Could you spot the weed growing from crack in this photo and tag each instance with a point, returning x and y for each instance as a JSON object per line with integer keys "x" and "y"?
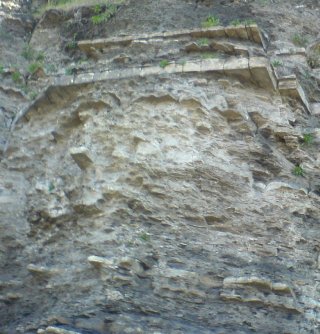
{"x": 16, "y": 76}
{"x": 308, "y": 138}
{"x": 245, "y": 22}
{"x": 101, "y": 17}
{"x": 144, "y": 237}
{"x": 203, "y": 42}
{"x": 34, "y": 67}
{"x": 299, "y": 40}
{"x": 210, "y": 21}
{"x": 277, "y": 63}
{"x": 163, "y": 63}
{"x": 298, "y": 171}
{"x": 33, "y": 95}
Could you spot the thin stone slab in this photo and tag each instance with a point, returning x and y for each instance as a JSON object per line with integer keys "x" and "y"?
{"x": 262, "y": 73}
{"x": 240, "y": 32}
{"x": 81, "y": 156}
{"x": 290, "y": 86}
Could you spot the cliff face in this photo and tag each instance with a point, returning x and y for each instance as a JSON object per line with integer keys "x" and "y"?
{"x": 163, "y": 178}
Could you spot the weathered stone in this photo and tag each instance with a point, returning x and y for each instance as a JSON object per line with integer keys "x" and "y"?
{"x": 81, "y": 156}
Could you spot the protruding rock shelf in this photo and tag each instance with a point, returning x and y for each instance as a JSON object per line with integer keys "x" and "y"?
{"x": 243, "y": 32}
{"x": 254, "y": 69}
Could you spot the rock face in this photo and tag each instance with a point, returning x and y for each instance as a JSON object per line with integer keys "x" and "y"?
{"x": 154, "y": 190}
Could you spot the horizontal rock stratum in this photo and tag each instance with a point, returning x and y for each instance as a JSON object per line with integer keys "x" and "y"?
{"x": 167, "y": 184}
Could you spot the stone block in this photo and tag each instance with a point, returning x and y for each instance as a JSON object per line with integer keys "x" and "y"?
{"x": 81, "y": 157}
{"x": 262, "y": 73}
{"x": 192, "y": 67}
{"x": 215, "y": 65}
{"x": 237, "y": 67}
{"x": 98, "y": 261}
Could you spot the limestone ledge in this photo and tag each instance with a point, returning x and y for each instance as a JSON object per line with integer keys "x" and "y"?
{"x": 55, "y": 330}
{"x": 258, "y": 283}
{"x": 244, "y": 32}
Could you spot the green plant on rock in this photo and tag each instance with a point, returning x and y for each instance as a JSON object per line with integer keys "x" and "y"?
{"x": 70, "y": 71}
{"x": 16, "y": 76}
{"x": 33, "y": 95}
{"x": 28, "y": 52}
{"x": 40, "y": 56}
{"x": 144, "y": 237}
{"x": 1, "y": 69}
{"x": 163, "y": 63}
{"x": 308, "y": 138}
{"x": 34, "y": 67}
{"x": 51, "y": 187}
{"x": 299, "y": 40}
{"x": 210, "y": 21}
{"x": 72, "y": 44}
{"x": 298, "y": 171}
{"x": 100, "y": 16}
{"x": 203, "y": 42}
{"x": 277, "y": 63}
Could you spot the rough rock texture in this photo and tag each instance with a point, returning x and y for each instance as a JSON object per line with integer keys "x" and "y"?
{"x": 181, "y": 198}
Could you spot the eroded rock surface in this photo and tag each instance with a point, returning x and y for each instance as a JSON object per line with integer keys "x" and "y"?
{"x": 183, "y": 198}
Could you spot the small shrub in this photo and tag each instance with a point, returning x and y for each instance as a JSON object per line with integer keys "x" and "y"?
{"x": 16, "y": 76}
{"x": 1, "y": 69}
{"x": 34, "y": 67}
{"x": 70, "y": 71}
{"x": 102, "y": 17}
{"x": 298, "y": 171}
{"x": 299, "y": 40}
{"x": 164, "y": 63}
{"x": 277, "y": 63}
{"x": 51, "y": 187}
{"x": 40, "y": 56}
{"x": 203, "y": 42}
{"x": 144, "y": 237}
{"x": 28, "y": 53}
{"x": 307, "y": 138}
{"x": 33, "y": 95}
{"x": 210, "y": 21}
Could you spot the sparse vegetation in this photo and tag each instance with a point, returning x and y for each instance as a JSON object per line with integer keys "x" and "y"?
{"x": 16, "y": 76}
{"x": 299, "y": 40}
{"x": 33, "y": 95}
{"x": 163, "y": 63}
{"x": 28, "y": 53}
{"x": 277, "y": 63}
{"x": 71, "y": 45}
{"x": 144, "y": 237}
{"x": 51, "y": 187}
{"x": 308, "y": 138}
{"x": 1, "y": 69}
{"x": 70, "y": 71}
{"x": 210, "y": 21}
{"x": 298, "y": 171}
{"x": 101, "y": 15}
{"x": 245, "y": 22}
{"x": 203, "y": 42}
{"x": 70, "y": 4}
{"x": 34, "y": 67}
